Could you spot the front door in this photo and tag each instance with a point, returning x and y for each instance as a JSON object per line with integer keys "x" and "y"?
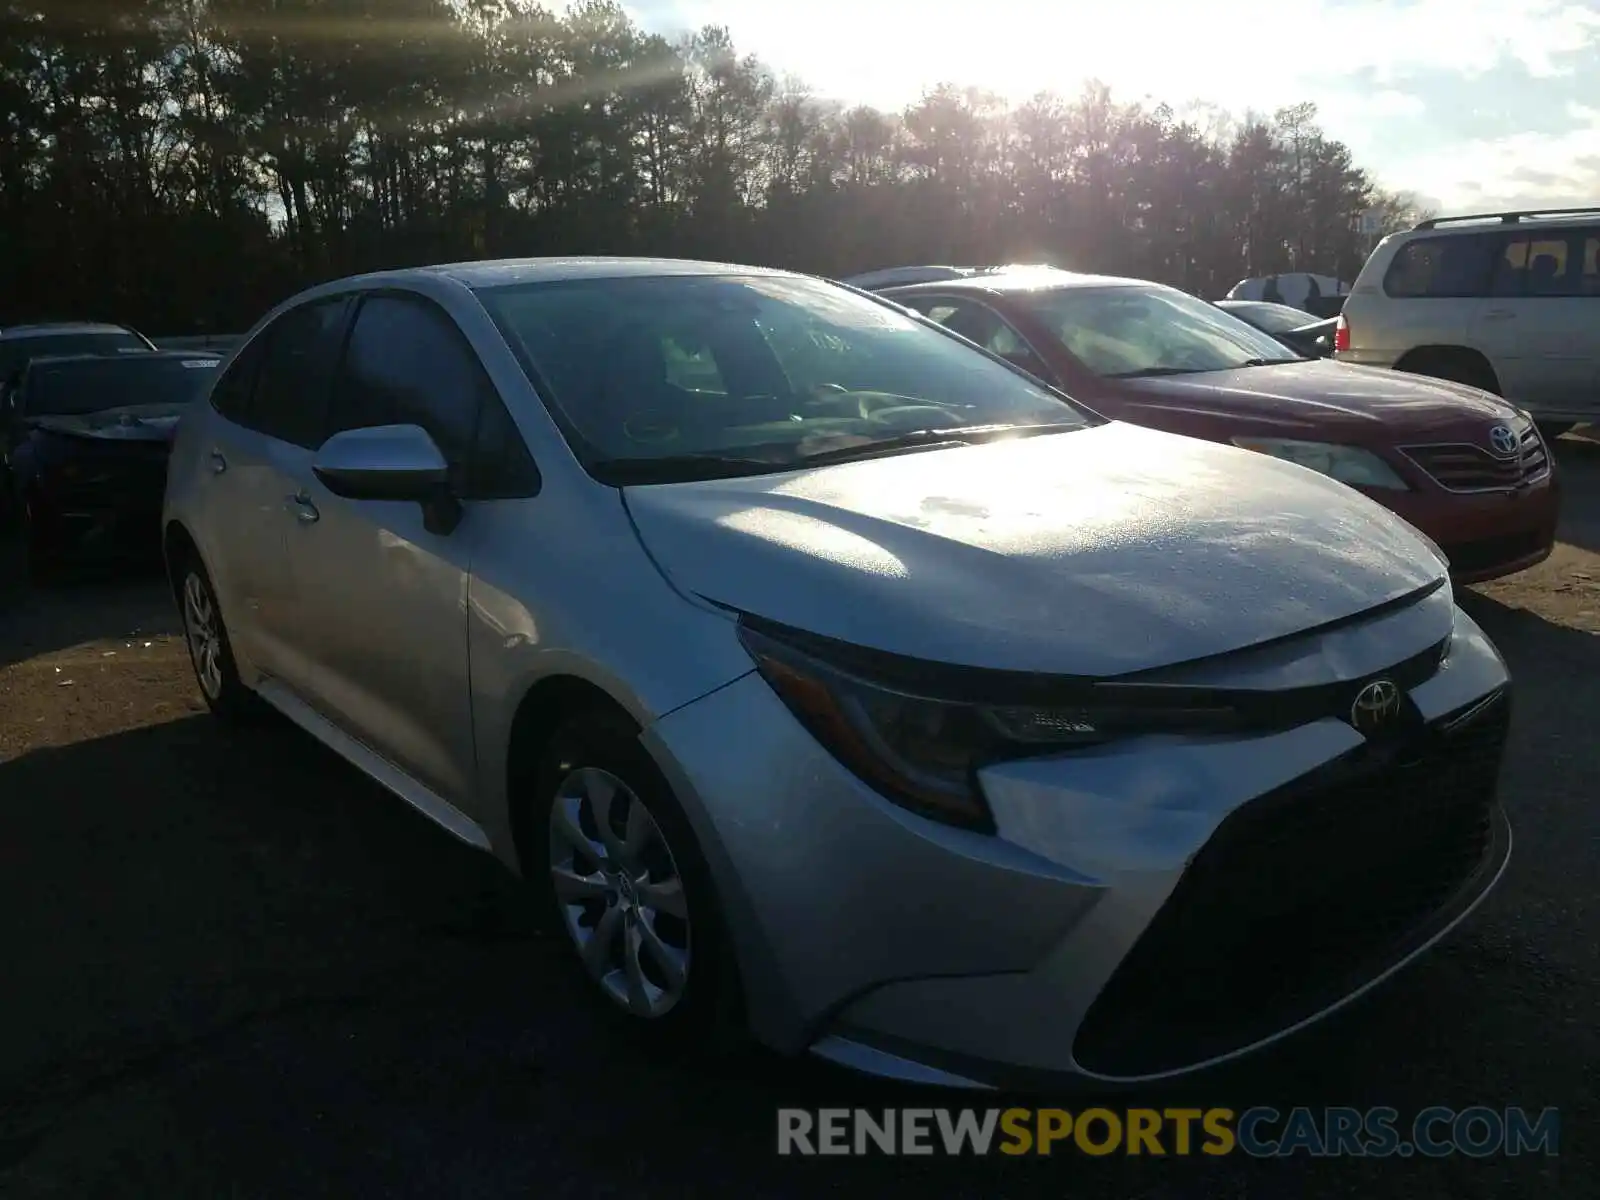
{"x": 383, "y": 602}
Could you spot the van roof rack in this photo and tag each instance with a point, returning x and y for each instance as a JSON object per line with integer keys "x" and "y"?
{"x": 1507, "y": 218}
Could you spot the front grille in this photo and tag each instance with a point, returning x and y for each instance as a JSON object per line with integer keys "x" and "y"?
{"x": 1487, "y": 553}
{"x": 1463, "y": 467}
{"x": 1302, "y": 895}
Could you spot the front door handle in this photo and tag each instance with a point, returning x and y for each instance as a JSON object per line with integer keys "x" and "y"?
{"x": 218, "y": 463}
{"x": 1499, "y": 314}
{"x": 304, "y": 511}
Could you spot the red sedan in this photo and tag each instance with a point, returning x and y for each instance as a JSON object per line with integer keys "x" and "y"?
{"x": 1466, "y": 467}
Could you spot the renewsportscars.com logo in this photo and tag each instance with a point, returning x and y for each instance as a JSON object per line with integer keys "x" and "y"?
{"x": 1260, "y": 1132}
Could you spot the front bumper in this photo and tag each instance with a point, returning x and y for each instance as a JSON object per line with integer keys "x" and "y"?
{"x": 1485, "y": 535}
{"x": 903, "y": 947}
{"x": 113, "y": 519}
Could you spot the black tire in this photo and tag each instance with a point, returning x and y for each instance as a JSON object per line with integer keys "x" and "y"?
{"x": 707, "y": 1015}
{"x": 1456, "y": 368}
{"x": 225, "y": 695}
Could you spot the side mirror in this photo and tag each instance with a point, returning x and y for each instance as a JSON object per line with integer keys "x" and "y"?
{"x": 391, "y": 462}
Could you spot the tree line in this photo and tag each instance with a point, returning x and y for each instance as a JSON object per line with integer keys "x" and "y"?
{"x": 184, "y": 164}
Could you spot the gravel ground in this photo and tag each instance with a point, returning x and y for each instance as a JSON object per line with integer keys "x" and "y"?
{"x": 236, "y": 968}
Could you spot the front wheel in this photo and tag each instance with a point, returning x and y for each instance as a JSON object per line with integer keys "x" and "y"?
{"x": 210, "y": 651}
{"x": 625, "y": 878}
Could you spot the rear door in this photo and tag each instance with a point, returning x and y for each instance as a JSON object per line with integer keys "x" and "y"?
{"x": 1540, "y": 325}
{"x": 272, "y": 403}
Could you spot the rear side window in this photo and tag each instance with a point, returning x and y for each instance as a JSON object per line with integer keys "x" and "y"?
{"x": 232, "y": 392}
{"x": 407, "y": 363}
{"x": 1443, "y": 267}
{"x": 1549, "y": 263}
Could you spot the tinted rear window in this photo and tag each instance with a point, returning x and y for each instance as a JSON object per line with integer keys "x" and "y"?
{"x": 67, "y": 389}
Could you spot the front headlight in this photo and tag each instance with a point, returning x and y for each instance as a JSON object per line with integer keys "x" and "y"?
{"x": 923, "y": 752}
{"x": 1347, "y": 464}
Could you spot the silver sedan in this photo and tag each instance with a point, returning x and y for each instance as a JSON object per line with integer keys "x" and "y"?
{"x": 826, "y": 675}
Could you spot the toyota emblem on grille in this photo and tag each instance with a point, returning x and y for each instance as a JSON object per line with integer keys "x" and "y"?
{"x": 1503, "y": 440}
{"x": 1376, "y": 706}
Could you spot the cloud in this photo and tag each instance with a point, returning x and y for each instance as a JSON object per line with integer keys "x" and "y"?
{"x": 1493, "y": 174}
{"x": 1388, "y": 103}
{"x": 1250, "y": 59}
{"x": 1442, "y": 97}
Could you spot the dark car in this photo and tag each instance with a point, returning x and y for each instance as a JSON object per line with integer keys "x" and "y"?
{"x": 20, "y": 343}
{"x": 1297, "y": 329}
{"x": 1466, "y": 467}
{"x": 89, "y": 437}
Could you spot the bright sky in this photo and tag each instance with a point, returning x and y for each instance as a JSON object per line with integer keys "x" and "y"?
{"x": 1472, "y": 104}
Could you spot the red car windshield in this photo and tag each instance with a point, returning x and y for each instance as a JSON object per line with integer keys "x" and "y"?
{"x": 1121, "y": 332}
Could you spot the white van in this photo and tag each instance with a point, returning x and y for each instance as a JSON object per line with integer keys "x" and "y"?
{"x": 1506, "y": 302}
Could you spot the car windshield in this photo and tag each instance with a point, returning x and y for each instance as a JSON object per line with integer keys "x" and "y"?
{"x": 1127, "y": 331}
{"x": 757, "y": 371}
{"x": 94, "y": 385}
{"x": 1274, "y": 318}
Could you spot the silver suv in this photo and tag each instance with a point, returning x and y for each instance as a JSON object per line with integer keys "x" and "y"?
{"x": 1506, "y": 302}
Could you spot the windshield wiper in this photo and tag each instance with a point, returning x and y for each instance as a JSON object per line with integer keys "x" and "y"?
{"x": 1272, "y": 362}
{"x": 1152, "y": 372}
{"x": 916, "y": 439}
{"x": 682, "y": 468}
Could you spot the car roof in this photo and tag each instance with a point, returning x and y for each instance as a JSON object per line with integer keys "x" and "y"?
{"x": 1031, "y": 279}
{"x": 503, "y": 271}
{"x": 901, "y": 276}
{"x": 48, "y": 329}
{"x": 1539, "y": 218}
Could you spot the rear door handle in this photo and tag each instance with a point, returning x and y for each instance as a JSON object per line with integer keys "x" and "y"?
{"x": 1499, "y": 314}
{"x": 218, "y": 463}
{"x": 304, "y": 511}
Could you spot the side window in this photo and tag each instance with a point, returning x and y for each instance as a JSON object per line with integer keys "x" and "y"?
{"x": 1438, "y": 268}
{"x": 407, "y": 363}
{"x": 989, "y": 330}
{"x": 1589, "y": 281}
{"x": 1547, "y": 268}
{"x": 1550, "y": 264}
{"x": 232, "y": 392}
{"x": 502, "y": 468}
{"x": 291, "y": 392}
{"x": 972, "y": 322}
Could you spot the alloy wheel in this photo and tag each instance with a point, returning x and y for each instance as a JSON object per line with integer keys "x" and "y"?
{"x": 204, "y": 632}
{"x": 620, "y": 893}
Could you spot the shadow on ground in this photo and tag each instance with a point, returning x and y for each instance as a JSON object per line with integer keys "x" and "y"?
{"x": 92, "y": 603}
{"x": 1578, "y": 459}
{"x": 236, "y": 967}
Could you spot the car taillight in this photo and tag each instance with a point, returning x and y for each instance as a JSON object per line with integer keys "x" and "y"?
{"x": 1341, "y": 335}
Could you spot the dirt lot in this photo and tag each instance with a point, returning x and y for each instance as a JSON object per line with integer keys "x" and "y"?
{"x": 235, "y": 968}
